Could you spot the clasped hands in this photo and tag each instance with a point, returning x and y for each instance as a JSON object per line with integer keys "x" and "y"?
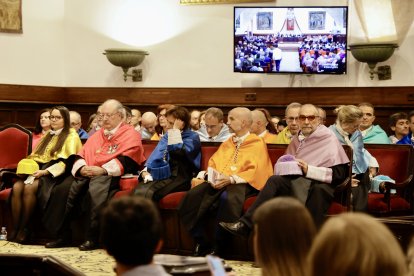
{"x": 221, "y": 182}
{"x": 92, "y": 171}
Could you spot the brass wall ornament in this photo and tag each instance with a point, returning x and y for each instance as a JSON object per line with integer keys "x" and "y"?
{"x": 202, "y": 2}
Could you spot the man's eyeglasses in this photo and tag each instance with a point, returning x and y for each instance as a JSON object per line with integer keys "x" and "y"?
{"x": 291, "y": 119}
{"x": 210, "y": 126}
{"x": 107, "y": 115}
{"x": 310, "y": 118}
{"x": 55, "y": 117}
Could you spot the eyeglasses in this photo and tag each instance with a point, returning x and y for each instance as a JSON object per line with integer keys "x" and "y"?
{"x": 210, "y": 126}
{"x": 74, "y": 123}
{"x": 310, "y": 118}
{"x": 107, "y": 115}
{"x": 291, "y": 119}
{"x": 55, "y": 117}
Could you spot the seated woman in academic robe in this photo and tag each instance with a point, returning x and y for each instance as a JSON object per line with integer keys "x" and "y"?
{"x": 346, "y": 130}
{"x": 44, "y": 168}
{"x": 174, "y": 161}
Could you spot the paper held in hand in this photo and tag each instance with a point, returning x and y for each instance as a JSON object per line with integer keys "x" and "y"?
{"x": 213, "y": 175}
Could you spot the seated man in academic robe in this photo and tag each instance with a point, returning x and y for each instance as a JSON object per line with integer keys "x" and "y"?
{"x": 114, "y": 150}
{"x": 292, "y": 128}
{"x": 214, "y": 129}
{"x": 371, "y": 134}
{"x": 237, "y": 170}
{"x": 324, "y": 165}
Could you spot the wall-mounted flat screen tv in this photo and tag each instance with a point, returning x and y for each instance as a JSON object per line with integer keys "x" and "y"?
{"x": 303, "y": 40}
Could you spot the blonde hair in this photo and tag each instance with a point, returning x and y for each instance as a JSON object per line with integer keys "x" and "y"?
{"x": 284, "y": 231}
{"x": 348, "y": 113}
{"x": 355, "y": 244}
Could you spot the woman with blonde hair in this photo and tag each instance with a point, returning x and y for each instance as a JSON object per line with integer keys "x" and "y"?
{"x": 356, "y": 244}
{"x": 283, "y": 234}
{"x": 346, "y": 129}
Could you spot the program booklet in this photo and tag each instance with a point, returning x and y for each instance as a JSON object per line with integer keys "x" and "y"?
{"x": 213, "y": 175}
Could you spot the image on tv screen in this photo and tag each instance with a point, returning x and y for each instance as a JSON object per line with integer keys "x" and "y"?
{"x": 303, "y": 40}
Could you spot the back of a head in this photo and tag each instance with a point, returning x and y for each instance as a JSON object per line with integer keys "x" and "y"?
{"x": 284, "y": 230}
{"x": 348, "y": 113}
{"x": 356, "y": 244}
{"x": 131, "y": 230}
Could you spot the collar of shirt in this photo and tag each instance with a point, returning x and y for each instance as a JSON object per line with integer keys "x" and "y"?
{"x": 364, "y": 132}
{"x": 55, "y": 132}
{"x": 239, "y": 140}
{"x": 111, "y": 132}
{"x": 263, "y": 134}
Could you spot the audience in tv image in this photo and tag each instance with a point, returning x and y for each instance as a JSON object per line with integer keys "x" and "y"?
{"x": 315, "y": 54}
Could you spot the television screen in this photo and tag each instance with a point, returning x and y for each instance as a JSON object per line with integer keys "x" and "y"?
{"x": 308, "y": 40}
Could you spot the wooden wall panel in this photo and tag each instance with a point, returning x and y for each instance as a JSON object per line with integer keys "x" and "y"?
{"x": 29, "y": 99}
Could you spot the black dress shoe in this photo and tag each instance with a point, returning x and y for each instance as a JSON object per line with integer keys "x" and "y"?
{"x": 58, "y": 243}
{"x": 236, "y": 228}
{"x": 88, "y": 245}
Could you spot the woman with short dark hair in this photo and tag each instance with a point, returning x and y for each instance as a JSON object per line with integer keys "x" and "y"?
{"x": 175, "y": 159}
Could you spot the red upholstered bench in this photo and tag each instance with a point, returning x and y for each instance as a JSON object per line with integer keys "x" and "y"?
{"x": 395, "y": 161}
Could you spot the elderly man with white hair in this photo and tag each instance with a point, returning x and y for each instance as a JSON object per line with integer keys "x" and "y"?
{"x": 116, "y": 149}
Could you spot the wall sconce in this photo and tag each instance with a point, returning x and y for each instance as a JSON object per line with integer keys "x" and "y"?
{"x": 384, "y": 24}
{"x": 127, "y": 58}
{"x": 372, "y": 54}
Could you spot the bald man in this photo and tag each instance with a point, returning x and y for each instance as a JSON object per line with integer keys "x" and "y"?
{"x": 148, "y": 124}
{"x": 238, "y": 169}
{"x": 76, "y": 123}
{"x": 259, "y": 127}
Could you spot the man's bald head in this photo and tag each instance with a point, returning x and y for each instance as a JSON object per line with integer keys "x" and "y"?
{"x": 259, "y": 122}
{"x": 240, "y": 120}
{"x": 149, "y": 121}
